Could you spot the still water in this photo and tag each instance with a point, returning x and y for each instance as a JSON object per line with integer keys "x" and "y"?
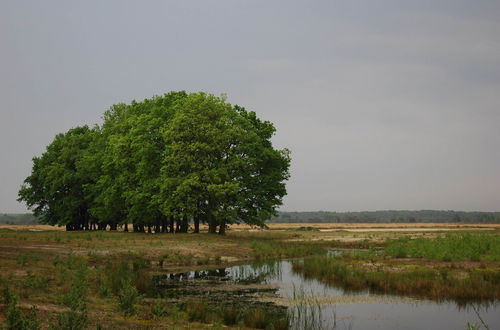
{"x": 318, "y": 306}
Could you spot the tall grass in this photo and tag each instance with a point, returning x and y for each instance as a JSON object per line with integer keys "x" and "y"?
{"x": 263, "y": 249}
{"x": 307, "y": 312}
{"x": 434, "y": 283}
{"x": 452, "y": 247}
{"x": 243, "y": 315}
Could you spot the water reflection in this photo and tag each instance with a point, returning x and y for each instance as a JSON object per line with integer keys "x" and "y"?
{"x": 314, "y": 305}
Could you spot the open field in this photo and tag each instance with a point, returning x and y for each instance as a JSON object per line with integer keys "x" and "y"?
{"x": 41, "y": 265}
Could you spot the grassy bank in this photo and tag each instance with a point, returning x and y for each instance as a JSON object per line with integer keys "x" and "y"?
{"x": 434, "y": 283}
{"x": 459, "y": 267}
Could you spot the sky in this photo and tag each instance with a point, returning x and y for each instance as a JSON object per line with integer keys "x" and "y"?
{"x": 383, "y": 104}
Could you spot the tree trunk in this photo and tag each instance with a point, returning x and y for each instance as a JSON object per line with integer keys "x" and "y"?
{"x": 125, "y": 229}
{"x": 212, "y": 224}
{"x": 222, "y": 227}
{"x": 164, "y": 224}
{"x": 196, "y": 225}
{"x": 184, "y": 224}
{"x": 171, "y": 224}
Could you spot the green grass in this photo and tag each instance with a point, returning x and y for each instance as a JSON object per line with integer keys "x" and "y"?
{"x": 442, "y": 283}
{"x": 452, "y": 247}
{"x": 265, "y": 250}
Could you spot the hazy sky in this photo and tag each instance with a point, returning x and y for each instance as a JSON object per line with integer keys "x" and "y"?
{"x": 384, "y": 104}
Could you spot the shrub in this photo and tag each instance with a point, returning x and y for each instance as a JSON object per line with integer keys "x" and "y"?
{"x": 16, "y": 320}
{"x": 197, "y": 310}
{"x": 71, "y": 320}
{"x": 158, "y": 310}
{"x": 128, "y": 297}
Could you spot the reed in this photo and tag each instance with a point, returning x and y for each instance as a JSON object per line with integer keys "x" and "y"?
{"x": 460, "y": 285}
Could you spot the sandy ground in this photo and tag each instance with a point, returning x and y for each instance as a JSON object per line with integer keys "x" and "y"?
{"x": 375, "y": 226}
{"x": 32, "y": 227}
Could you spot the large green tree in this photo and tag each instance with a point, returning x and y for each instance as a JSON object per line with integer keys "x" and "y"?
{"x": 55, "y": 190}
{"x": 221, "y": 166}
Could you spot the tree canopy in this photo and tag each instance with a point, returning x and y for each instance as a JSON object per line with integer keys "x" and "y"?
{"x": 160, "y": 164}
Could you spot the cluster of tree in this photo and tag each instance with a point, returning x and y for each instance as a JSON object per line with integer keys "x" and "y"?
{"x": 160, "y": 164}
{"x": 18, "y": 219}
{"x": 388, "y": 216}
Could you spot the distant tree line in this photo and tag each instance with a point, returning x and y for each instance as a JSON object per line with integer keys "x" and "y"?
{"x": 338, "y": 217}
{"x": 388, "y": 216}
{"x": 160, "y": 164}
{"x": 18, "y": 219}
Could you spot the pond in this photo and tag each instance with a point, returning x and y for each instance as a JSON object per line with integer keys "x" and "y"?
{"x": 314, "y": 305}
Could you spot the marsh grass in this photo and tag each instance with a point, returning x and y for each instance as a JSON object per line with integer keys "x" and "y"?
{"x": 451, "y": 247}
{"x": 307, "y": 312}
{"x": 263, "y": 249}
{"x": 241, "y": 315}
{"x": 442, "y": 283}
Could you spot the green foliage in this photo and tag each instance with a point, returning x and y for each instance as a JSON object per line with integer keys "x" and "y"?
{"x": 472, "y": 326}
{"x": 170, "y": 158}
{"x": 16, "y": 320}
{"x": 133, "y": 271}
{"x": 221, "y": 164}
{"x": 128, "y": 297}
{"x": 71, "y": 320}
{"x": 198, "y": 310}
{"x": 22, "y": 259}
{"x": 159, "y": 309}
{"x": 260, "y": 318}
{"x": 243, "y": 316}
{"x": 270, "y": 249}
{"x": 55, "y": 188}
{"x": 452, "y": 247}
{"x": 33, "y": 282}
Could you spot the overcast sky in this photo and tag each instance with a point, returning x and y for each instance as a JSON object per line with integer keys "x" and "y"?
{"x": 384, "y": 104}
